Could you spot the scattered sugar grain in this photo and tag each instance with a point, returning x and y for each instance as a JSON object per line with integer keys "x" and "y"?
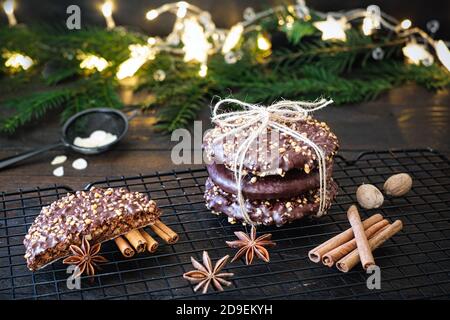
{"x": 79, "y": 164}
{"x": 58, "y": 160}
{"x": 59, "y": 172}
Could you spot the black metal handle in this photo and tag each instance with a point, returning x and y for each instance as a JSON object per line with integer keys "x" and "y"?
{"x": 20, "y": 157}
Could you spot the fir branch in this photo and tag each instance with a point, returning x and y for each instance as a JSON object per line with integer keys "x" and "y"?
{"x": 61, "y": 74}
{"x": 109, "y": 44}
{"x": 340, "y": 89}
{"x": 25, "y": 40}
{"x": 298, "y": 30}
{"x": 87, "y": 93}
{"x": 432, "y": 77}
{"x": 301, "y": 66}
{"x": 94, "y": 92}
{"x": 180, "y": 96}
{"x": 179, "y": 105}
{"x": 33, "y": 107}
{"x": 337, "y": 56}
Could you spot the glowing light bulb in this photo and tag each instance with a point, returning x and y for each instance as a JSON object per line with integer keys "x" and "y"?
{"x": 249, "y": 14}
{"x": 289, "y": 22}
{"x": 92, "y": 62}
{"x": 406, "y": 24}
{"x": 417, "y": 53}
{"x": 182, "y": 9}
{"x": 372, "y": 19}
{"x": 139, "y": 54}
{"x": 8, "y": 7}
{"x": 302, "y": 10}
{"x": 233, "y": 37}
{"x": 332, "y": 29}
{"x": 367, "y": 26}
{"x": 159, "y": 75}
{"x": 17, "y": 60}
{"x": 195, "y": 42}
{"x": 178, "y": 26}
{"x": 152, "y": 14}
{"x": 263, "y": 42}
{"x": 203, "y": 70}
{"x": 443, "y": 53}
{"x": 107, "y": 9}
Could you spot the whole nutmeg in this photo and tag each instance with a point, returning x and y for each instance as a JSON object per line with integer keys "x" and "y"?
{"x": 398, "y": 185}
{"x": 369, "y": 197}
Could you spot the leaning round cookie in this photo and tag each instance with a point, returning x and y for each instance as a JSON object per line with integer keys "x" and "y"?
{"x": 294, "y": 182}
{"x": 267, "y": 212}
{"x": 274, "y": 152}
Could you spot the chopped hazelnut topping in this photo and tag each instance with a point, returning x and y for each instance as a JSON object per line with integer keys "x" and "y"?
{"x": 307, "y": 169}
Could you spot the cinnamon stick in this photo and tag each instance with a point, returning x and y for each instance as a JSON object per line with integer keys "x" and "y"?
{"x": 152, "y": 244}
{"x": 315, "y": 255}
{"x": 362, "y": 243}
{"x": 164, "y": 232}
{"x": 350, "y": 260}
{"x": 137, "y": 240}
{"x": 124, "y": 247}
{"x": 336, "y": 254}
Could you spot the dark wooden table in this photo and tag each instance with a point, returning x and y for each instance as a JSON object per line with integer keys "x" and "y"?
{"x": 407, "y": 117}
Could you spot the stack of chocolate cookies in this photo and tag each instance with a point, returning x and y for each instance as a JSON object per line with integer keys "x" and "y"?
{"x": 273, "y": 195}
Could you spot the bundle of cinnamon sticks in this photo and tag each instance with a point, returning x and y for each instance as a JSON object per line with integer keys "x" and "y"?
{"x": 139, "y": 240}
{"x": 356, "y": 243}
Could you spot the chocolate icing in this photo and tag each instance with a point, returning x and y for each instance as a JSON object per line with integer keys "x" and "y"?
{"x": 98, "y": 214}
{"x": 292, "y": 184}
{"x": 291, "y": 152}
{"x": 267, "y": 212}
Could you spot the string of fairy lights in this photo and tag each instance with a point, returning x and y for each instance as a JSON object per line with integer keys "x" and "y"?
{"x": 195, "y": 36}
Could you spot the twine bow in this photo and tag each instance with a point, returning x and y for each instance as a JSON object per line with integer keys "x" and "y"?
{"x": 275, "y": 117}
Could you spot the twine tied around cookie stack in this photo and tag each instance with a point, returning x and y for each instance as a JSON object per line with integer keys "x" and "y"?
{"x": 275, "y": 116}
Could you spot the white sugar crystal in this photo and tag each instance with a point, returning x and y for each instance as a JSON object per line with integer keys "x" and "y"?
{"x": 79, "y": 164}
{"x": 59, "y": 172}
{"x": 58, "y": 160}
{"x": 82, "y": 142}
{"x": 97, "y": 138}
{"x": 98, "y": 135}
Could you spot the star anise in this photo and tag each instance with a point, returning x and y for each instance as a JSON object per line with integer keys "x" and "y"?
{"x": 205, "y": 274}
{"x": 249, "y": 245}
{"x": 85, "y": 257}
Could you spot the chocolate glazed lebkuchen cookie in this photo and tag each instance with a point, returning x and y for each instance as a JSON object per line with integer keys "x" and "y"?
{"x": 293, "y": 154}
{"x": 272, "y": 195}
{"x": 98, "y": 214}
{"x": 270, "y": 211}
{"x": 293, "y": 183}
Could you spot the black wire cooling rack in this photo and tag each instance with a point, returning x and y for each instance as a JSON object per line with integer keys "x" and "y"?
{"x": 414, "y": 264}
